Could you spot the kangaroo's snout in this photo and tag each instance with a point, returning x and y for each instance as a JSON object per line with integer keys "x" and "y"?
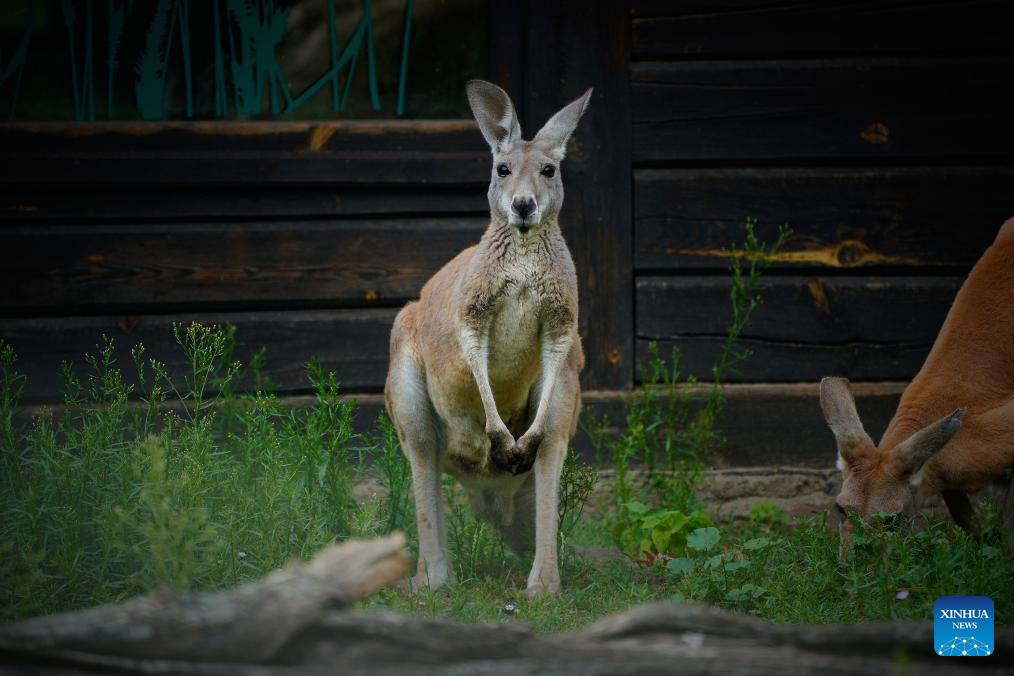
{"x": 523, "y": 206}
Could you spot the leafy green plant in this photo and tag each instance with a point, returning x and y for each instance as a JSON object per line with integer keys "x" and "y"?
{"x": 715, "y": 575}
{"x": 12, "y": 384}
{"x": 395, "y": 476}
{"x": 577, "y": 482}
{"x": 172, "y": 479}
{"x": 649, "y": 533}
{"x": 670, "y": 427}
{"x": 767, "y": 514}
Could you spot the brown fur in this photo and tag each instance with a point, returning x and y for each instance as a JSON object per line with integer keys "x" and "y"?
{"x": 953, "y": 431}
{"x": 483, "y": 382}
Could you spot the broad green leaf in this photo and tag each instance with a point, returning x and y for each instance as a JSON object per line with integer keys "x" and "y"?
{"x": 682, "y": 565}
{"x": 757, "y": 543}
{"x": 660, "y": 536}
{"x": 703, "y": 539}
{"x": 713, "y": 561}
{"x": 636, "y": 507}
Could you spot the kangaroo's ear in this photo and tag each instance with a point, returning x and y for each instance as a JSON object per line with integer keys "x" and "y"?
{"x": 494, "y": 112}
{"x": 925, "y": 443}
{"x": 839, "y": 407}
{"x": 557, "y": 130}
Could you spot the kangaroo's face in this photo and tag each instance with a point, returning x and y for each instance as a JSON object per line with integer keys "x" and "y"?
{"x": 526, "y": 187}
{"x": 876, "y": 481}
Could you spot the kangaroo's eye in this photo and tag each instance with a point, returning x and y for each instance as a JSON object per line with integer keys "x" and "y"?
{"x": 549, "y": 171}
{"x": 502, "y": 170}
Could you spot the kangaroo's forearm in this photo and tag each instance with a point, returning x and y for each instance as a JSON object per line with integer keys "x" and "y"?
{"x": 475, "y": 346}
{"x": 555, "y": 351}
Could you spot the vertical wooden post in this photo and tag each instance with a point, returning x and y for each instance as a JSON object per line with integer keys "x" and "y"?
{"x": 573, "y": 45}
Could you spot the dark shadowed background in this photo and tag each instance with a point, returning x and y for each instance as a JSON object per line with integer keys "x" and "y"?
{"x": 146, "y": 178}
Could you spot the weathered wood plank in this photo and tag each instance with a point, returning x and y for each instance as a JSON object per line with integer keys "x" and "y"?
{"x": 354, "y": 152}
{"x": 240, "y": 137}
{"x": 663, "y": 29}
{"x": 170, "y": 169}
{"x": 875, "y": 218}
{"x": 591, "y": 49}
{"x": 864, "y": 328}
{"x": 78, "y": 268}
{"x": 803, "y": 309}
{"x": 353, "y": 343}
{"x": 841, "y": 108}
{"x": 190, "y": 202}
{"x": 791, "y": 361}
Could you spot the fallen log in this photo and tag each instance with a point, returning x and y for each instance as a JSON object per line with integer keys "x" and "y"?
{"x": 295, "y": 621}
{"x": 245, "y": 625}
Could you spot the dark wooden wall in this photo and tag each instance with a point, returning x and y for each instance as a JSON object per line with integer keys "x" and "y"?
{"x": 306, "y": 237}
{"x": 877, "y": 130}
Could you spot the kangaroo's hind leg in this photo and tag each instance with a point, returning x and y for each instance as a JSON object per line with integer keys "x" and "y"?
{"x": 544, "y": 577}
{"x": 418, "y": 427}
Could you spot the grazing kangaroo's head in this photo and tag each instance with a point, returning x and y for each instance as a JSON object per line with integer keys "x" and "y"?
{"x": 526, "y": 188}
{"x": 877, "y": 480}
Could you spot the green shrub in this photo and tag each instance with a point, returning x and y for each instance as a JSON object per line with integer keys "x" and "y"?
{"x": 647, "y": 534}
{"x": 670, "y": 430}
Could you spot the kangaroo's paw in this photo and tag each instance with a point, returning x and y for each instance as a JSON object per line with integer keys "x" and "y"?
{"x": 501, "y": 447}
{"x": 526, "y": 450}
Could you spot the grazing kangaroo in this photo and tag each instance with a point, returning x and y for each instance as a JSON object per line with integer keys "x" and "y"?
{"x": 953, "y": 431}
{"x": 483, "y": 382}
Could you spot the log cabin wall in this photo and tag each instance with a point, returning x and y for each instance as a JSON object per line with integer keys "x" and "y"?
{"x": 876, "y": 130}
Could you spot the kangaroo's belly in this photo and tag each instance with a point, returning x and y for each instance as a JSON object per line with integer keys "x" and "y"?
{"x": 515, "y": 349}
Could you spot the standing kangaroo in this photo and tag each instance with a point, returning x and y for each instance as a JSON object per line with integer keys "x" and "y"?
{"x": 953, "y": 431}
{"x": 483, "y": 382}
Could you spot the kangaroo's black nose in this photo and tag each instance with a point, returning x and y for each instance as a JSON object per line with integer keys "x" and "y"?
{"x": 523, "y": 206}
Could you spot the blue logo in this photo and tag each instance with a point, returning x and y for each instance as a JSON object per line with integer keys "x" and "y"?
{"x": 963, "y": 626}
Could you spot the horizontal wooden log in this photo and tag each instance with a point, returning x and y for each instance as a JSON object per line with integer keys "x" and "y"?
{"x": 140, "y": 638}
{"x": 872, "y": 218}
{"x": 111, "y": 204}
{"x": 230, "y": 626}
{"x": 861, "y": 109}
{"x": 92, "y": 268}
{"x": 663, "y": 29}
{"x": 352, "y": 343}
{"x": 863, "y": 328}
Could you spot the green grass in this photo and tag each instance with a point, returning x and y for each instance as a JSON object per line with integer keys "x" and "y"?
{"x": 180, "y": 482}
{"x": 784, "y": 573}
{"x": 148, "y": 479}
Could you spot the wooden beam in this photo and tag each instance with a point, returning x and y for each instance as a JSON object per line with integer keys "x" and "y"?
{"x": 831, "y": 109}
{"x": 573, "y": 46}
{"x": 663, "y": 29}
{"x": 868, "y": 218}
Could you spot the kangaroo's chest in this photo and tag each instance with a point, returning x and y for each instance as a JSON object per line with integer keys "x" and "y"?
{"x": 514, "y": 339}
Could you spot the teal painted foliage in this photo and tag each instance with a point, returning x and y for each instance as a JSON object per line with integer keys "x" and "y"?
{"x": 14, "y": 68}
{"x": 246, "y": 74}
